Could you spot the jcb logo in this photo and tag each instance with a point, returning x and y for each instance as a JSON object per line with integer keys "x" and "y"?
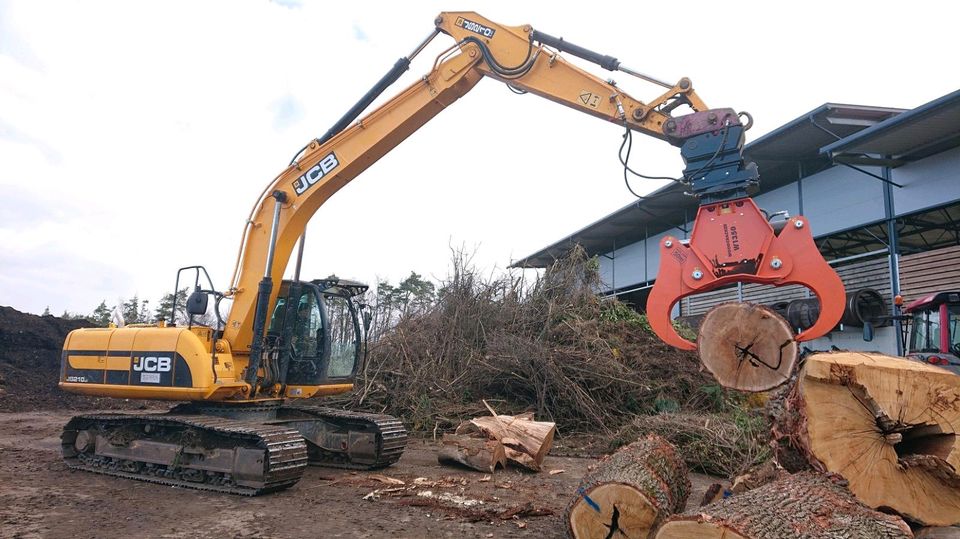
{"x": 152, "y": 364}
{"x": 476, "y": 27}
{"x": 321, "y": 169}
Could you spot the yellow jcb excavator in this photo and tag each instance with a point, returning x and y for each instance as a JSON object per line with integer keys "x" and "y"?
{"x": 238, "y": 428}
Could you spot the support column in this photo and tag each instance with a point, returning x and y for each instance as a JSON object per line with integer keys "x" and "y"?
{"x": 893, "y": 249}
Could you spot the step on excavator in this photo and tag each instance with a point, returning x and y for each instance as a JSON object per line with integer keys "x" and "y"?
{"x": 244, "y": 425}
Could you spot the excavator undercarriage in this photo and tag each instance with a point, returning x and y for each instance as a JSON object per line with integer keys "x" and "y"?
{"x": 241, "y": 449}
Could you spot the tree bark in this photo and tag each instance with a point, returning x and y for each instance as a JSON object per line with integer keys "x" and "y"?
{"x": 747, "y": 347}
{"x": 758, "y": 476}
{"x": 477, "y": 453}
{"x": 526, "y": 442}
{"x": 628, "y": 493}
{"x": 885, "y": 424}
{"x": 807, "y": 505}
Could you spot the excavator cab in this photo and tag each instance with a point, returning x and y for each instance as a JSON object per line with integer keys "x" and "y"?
{"x": 934, "y": 330}
{"x": 316, "y": 330}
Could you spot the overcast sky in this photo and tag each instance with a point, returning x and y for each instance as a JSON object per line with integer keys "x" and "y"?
{"x": 135, "y": 136}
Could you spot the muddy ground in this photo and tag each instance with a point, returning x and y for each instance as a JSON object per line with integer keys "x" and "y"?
{"x": 40, "y": 497}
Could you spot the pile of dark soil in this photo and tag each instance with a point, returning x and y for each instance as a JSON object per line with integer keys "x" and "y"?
{"x": 30, "y": 347}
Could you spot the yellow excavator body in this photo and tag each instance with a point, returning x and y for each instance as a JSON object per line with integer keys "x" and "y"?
{"x": 283, "y": 341}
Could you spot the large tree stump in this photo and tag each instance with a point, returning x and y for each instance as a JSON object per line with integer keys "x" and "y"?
{"x": 887, "y": 425}
{"x": 628, "y": 493}
{"x": 526, "y": 442}
{"x": 477, "y": 453}
{"x": 806, "y": 505}
{"x": 938, "y": 532}
{"x": 747, "y": 347}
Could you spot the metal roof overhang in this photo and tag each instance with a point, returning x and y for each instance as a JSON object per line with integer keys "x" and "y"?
{"x": 921, "y": 132}
{"x": 776, "y": 153}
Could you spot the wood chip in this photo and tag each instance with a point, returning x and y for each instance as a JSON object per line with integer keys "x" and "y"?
{"x": 555, "y": 472}
{"x": 375, "y": 495}
{"x": 385, "y": 479}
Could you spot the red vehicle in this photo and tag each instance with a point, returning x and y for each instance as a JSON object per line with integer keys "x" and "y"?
{"x": 934, "y": 333}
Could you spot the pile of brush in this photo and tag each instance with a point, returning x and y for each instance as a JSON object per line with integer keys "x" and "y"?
{"x": 552, "y": 346}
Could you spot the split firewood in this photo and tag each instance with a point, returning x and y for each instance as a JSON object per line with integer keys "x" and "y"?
{"x": 807, "y": 505}
{"x": 888, "y": 425}
{"x": 478, "y": 453}
{"x": 526, "y": 442}
{"x": 629, "y": 493}
{"x": 747, "y": 347}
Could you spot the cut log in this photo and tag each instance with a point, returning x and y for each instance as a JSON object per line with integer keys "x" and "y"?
{"x": 807, "y": 505}
{"x": 628, "y": 493}
{"x": 526, "y": 442}
{"x": 747, "y": 347}
{"x": 887, "y": 425}
{"x": 938, "y": 532}
{"x": 478, "y": 453}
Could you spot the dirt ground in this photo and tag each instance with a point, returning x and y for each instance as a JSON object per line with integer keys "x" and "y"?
{"x": 41, "y": 497}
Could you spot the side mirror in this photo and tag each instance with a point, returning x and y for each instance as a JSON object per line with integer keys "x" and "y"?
{"x": 867, "y": 331}
{"x": 197, "y": 302}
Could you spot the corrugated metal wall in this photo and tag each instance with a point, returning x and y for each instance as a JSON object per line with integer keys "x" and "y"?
{"x": 873, "y": 274}
{"x": 929, "y": 272}
{"x": 920, "y": 274}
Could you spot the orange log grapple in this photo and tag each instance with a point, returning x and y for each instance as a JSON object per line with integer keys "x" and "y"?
{"x": 733, "y": 240}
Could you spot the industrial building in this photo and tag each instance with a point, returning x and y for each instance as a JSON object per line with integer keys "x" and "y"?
{"x": 880, "y": 187}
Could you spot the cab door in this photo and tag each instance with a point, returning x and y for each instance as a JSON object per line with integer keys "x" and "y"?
{"x": 299, "y": 327}
{"x": 318, "y": 333}
{"x": 344, "y": 336}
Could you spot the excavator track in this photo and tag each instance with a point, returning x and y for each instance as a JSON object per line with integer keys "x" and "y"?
{"x": 190, "y": 451}
{"x": 351, "y": 440}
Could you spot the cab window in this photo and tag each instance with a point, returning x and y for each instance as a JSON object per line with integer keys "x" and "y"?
{"x": 305, "y": 339}
{"x": 276, "y": 321}
{"x": 344, "y": 336}
{"x": 926, "y": 332}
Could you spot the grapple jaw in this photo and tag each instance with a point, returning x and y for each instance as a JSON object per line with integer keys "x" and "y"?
{"x": 732, "y": 242}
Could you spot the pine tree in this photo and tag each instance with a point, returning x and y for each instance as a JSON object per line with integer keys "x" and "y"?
{"x": 415, "y": 293}
{"x": 101, "y": 315}
{"x": 131, "y": 310}
{"x": 166, "y": 303}
{"x": 143, "y": 315}
{"x": 46, "y": 312}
